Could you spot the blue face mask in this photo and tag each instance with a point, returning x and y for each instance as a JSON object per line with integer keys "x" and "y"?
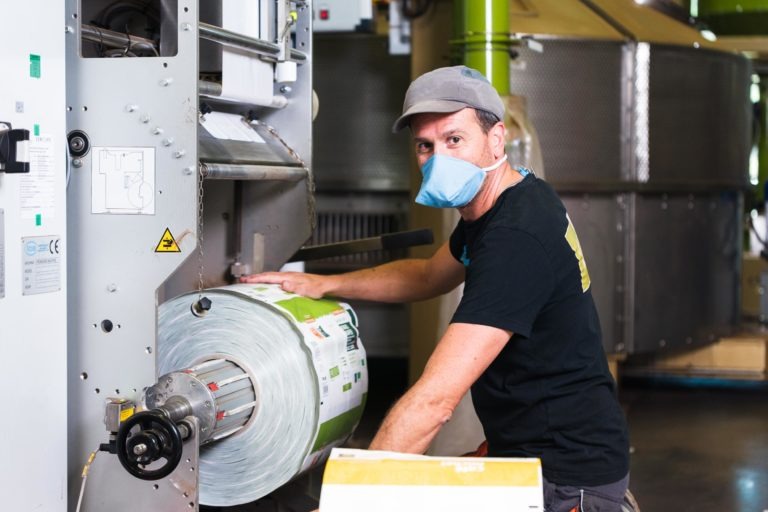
{"x": 451, "y": 182}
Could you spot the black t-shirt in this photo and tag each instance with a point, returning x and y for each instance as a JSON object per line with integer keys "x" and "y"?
{"x": 549, "y": 393}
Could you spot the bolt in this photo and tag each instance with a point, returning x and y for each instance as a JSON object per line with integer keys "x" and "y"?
{"x": 167, "y": 142}
{"x": 76, "y": 162}
{"x": 157, "y": 130}
{"x": 145, "y": 118}
{"x": 186, "y": 27}
{"x": 180, "y": 153}
{"x": 131, "y": 108}
{"x": 165, "y": 82}
{"x": 188, "y": 171}
{"x": 285, "y": 89}
{"x": 112, "y": 287}
{"x": 140, "y": 449}
{"x": 77, "y": 144}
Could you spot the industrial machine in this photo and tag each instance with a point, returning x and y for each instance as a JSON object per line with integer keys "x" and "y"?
{"x": 33, "y": 257}
{"x": 177, "y": 120}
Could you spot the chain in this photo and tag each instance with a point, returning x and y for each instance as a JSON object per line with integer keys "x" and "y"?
{"x": 200, "y": 251}
{"x": 310, "y": 177}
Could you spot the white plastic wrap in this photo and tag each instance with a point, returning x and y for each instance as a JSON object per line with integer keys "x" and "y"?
{"x": 309, "y": 369}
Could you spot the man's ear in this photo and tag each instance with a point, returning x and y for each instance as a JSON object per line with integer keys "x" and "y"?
{"x": 497, "y": 138}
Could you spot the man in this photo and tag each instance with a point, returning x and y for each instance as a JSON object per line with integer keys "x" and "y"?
{"x": 525, "y": 337}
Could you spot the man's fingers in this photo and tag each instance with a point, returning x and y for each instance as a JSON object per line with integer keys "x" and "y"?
{"x": 293, "y": 282}
{"x": 266, "y": 277}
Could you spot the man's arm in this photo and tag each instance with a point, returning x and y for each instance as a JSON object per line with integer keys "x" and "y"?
{"x": 399, "y": 281}
{"x": 461, "y": 356}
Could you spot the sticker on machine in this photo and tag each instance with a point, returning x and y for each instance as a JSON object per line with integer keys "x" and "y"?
{"x": 167, "y": 243}
{"x": 37, "y": 189}
{"x": 123, "y": 180}
{"x": 41, "y": 264}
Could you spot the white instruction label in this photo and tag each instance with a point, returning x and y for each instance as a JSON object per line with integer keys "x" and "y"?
{"x": 41, "y": 264}
{"x": 123, "y": 180}
{"x": 38, "y": 188}
{"x": 2, "y": 254}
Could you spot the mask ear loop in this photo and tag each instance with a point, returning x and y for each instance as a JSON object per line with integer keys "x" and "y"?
{"x": 496, "y": 165}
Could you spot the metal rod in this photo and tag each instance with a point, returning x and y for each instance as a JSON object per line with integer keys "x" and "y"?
{"x": 217, "y": 171}
{"x": 235, "y": 40}
{"x": 237, "y": 208}
{"x": 114, "y": 39}
{"x": 209, "y": 88}
{"x": 401, "y": 240}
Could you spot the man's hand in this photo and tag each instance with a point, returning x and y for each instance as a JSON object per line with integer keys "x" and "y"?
{"x": 309, "y": 285}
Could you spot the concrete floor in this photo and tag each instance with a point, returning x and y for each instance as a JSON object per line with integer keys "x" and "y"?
{"x": 694, "y": 449}
{"x": 698, "y": 449}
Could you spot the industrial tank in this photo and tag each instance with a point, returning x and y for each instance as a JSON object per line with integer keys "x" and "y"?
{"x": 644, "y": 127}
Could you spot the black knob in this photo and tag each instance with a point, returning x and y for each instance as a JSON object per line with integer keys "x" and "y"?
{"x": 148, "y": 437}
{"x": 202, "y": 306}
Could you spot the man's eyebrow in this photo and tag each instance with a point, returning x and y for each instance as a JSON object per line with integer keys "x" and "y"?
{"x": 447, "y": 133}
{"x": 453, "y": 131}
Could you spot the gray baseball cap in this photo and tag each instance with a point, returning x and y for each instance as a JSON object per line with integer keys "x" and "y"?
{"x": 447, "y": 90}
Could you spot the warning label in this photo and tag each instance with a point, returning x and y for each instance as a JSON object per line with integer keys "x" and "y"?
{"x": 167, "y": 243}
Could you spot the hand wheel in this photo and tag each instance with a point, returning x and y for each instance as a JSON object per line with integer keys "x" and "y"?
{"x": 147, "y": 437}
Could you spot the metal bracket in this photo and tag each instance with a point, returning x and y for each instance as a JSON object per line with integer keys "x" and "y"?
{"x": 178, "y": 492}
{"x": 14, "y": 149}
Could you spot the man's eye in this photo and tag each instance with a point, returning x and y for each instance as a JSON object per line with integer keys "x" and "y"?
{"x": 423, "y": 147}
{"x": 454, "y": 140}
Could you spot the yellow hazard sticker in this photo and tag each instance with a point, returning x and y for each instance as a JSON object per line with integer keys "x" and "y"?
{"x": 167, "y": 243}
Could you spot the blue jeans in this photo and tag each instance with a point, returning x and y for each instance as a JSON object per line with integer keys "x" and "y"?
{"x": 601, "y": 498}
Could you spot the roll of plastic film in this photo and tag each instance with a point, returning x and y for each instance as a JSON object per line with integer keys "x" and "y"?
{"x": 308, "y": 368}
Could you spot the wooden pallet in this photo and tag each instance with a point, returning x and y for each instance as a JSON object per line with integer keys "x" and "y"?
{"x": 742, "y": 357}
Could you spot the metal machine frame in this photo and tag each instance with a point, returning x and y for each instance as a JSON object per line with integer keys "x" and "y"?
{"x": 140, "y": 116}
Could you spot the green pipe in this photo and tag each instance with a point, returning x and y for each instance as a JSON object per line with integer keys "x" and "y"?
{"x": 482, "y": 39}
